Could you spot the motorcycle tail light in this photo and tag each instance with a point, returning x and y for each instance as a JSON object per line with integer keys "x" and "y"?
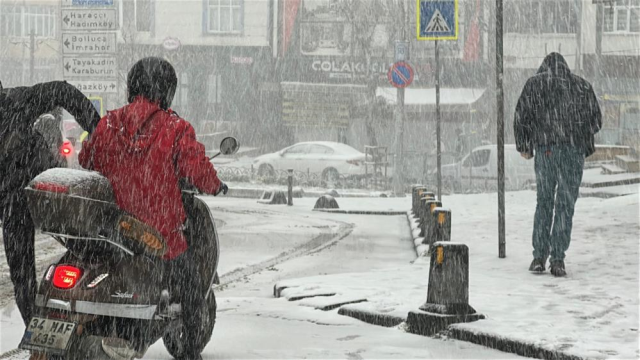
{"x": 49, "y": 272}
{"x": 66, "y": 149}
{"x": 51, "y": 187}
{"x": 66, "y": 277}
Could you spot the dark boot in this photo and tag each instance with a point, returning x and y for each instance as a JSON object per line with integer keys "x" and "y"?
{"x": 557, "y": 268}
{"x": 537, "y": 266}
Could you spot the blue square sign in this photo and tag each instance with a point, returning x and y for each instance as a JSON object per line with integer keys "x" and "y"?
{"x": 437, "y": 19}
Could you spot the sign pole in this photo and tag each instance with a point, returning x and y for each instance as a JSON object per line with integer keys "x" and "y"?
{"x": 500, "y": 130}
{"x": 397, "y": 170}
{"x": 438, "y": 138}
{"x": 400, "y": 76}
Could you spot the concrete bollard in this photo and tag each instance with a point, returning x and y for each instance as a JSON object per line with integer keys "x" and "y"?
{"x": 428, "y": 220}
{"x": 442, "y": 225}
{"x": 426, "y": 196}
{"x": 447, "y": 293}
{"x": 273, "y": 197}
{"x": 416, "y": 194}
{"x": 326, "y": 202}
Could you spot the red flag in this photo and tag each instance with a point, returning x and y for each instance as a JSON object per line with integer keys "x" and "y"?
{"x": 472, "y": 44}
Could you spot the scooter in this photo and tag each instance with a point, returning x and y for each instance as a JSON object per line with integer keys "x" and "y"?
{"x": 105, "y": 298}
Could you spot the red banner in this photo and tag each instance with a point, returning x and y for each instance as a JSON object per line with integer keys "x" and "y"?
{"x": 290, "y": 12}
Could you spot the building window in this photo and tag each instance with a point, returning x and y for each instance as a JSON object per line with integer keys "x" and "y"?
{"x": 622, "y": 17}
{"x": 21, "y": 21}
{"x": 224, "y": 16}
{"x": 214, "y": 90}
{"x": 143, "y": 15}
{"x": 540, "y": 17}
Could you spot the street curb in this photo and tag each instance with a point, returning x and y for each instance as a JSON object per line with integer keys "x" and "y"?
{"x": 373, "y": 318}
{"x": 362, "y": 212}
{"x": 507, "y": 345}
{"x": 493, "y": 341}
{"x": 595, "y": 185}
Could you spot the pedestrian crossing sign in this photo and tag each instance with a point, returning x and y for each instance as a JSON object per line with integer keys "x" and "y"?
{"x": 437, "y": 19}
{"x": 97, "y": 103}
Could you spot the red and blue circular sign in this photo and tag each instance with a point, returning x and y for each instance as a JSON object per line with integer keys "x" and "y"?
{"x": 400, "y": 74}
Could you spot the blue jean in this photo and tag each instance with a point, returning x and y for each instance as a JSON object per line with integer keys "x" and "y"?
{"x": 558, "y": 176}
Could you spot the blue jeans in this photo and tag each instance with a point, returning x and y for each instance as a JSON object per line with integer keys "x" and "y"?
{"x": 558, "y": 177}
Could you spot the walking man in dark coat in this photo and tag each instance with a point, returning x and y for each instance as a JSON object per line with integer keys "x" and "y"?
{"x": 24, "y": 153}
{"x": 556, "y": 119}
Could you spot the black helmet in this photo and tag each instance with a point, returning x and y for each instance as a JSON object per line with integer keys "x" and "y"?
{"x": 153, "y": 78}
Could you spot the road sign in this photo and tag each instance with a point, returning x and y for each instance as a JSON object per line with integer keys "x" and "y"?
{"x": 401, "y": 51}
{"x": 437, "y": 19}
{"x": 90, "y": 67}
{"x": 88, "y": 19}
{"x": 95, "y": 86}
{"x": 89, "y": 43}
{"x": 400, "y": 75}
{"x": 97, "y": 103}
{"x": 101, "y": 3}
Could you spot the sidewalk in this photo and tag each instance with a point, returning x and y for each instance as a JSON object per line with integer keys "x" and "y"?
{"x": 591, "y": 313}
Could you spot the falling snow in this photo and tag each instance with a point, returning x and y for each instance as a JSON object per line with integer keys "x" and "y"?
{"x": 107, "y": 168}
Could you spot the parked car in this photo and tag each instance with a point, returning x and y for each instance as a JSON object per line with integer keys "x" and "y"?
{"x": 330, "y": 159}
{"x": 479, "y": 169}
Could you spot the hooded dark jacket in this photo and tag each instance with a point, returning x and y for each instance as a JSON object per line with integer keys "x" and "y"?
{"x": 24, "y": 153}
{"x": 556, "y": 107}
{"x": 144, "y": 150}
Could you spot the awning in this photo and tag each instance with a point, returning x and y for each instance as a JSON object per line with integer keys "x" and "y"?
{"x": 451, "y": 99}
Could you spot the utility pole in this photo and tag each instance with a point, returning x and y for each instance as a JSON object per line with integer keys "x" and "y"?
{"x": 500, "y": 129}
{"x": 599, "y": 30}
{"x": 32, "y": 49}
{"x": 398, "y": 188}
{"x": 438, "y": 140}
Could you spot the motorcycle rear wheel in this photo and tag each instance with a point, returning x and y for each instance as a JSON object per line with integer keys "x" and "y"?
{"x": 175, "y": 340}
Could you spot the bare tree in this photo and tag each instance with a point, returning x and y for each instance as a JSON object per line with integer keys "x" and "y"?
{"x": 364, "y": 16}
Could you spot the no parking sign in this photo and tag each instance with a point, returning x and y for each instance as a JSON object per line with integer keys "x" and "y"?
{"x": 400, "y": 75}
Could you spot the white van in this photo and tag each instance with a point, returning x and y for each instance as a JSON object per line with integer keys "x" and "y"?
{"x": 479, "y": 170}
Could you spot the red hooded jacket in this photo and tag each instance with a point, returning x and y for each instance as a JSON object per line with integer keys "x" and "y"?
{"x": 143, "y": 151}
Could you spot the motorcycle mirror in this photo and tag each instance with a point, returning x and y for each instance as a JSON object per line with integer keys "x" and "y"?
{"x": 229, "y": 146}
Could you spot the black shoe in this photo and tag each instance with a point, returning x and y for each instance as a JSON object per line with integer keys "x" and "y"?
{"x": 557, "y": 268}
{"x": 537, "y": 265}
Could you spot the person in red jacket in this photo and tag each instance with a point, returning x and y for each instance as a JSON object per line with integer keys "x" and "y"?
{"x": 144, "y": 149}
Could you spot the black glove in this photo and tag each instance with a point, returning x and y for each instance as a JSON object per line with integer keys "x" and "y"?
{"x": 222, "y": 189}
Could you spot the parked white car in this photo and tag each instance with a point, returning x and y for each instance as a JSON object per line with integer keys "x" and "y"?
{"x": 330, "y": 159}
{"x": 479, "y": 169}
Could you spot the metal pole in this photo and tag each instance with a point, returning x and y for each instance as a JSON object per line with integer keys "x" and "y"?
{"x": 398, "y": 157}
{"x": 290, "y": 189}
{"x": 500, "y": 130}
{"x": 599, "y": 29}
{"x": 438, "y": 142}
{"x": 32, "y": 45}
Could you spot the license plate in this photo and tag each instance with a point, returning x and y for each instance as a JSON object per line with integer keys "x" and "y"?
{"x": 47, "y": 333}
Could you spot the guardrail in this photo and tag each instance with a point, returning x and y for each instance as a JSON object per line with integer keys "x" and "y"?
{"x": 301, "y": 178}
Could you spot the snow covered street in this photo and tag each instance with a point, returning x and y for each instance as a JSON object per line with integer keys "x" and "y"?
{"x": 592, "y": 313}
{"x": 253, "y": 234}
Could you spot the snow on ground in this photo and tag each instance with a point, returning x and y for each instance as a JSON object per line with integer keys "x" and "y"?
{"x": 593, "y": 312}
{"x": 594, "y": 176}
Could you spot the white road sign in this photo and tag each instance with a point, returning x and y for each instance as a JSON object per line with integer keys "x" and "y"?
{"x": 90, "y": 67}
{"x": 100, "y": 3}
{"x": 95, "y": 86}
{"x": 88, "y": 19}
{"x": 89, "y": 43}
